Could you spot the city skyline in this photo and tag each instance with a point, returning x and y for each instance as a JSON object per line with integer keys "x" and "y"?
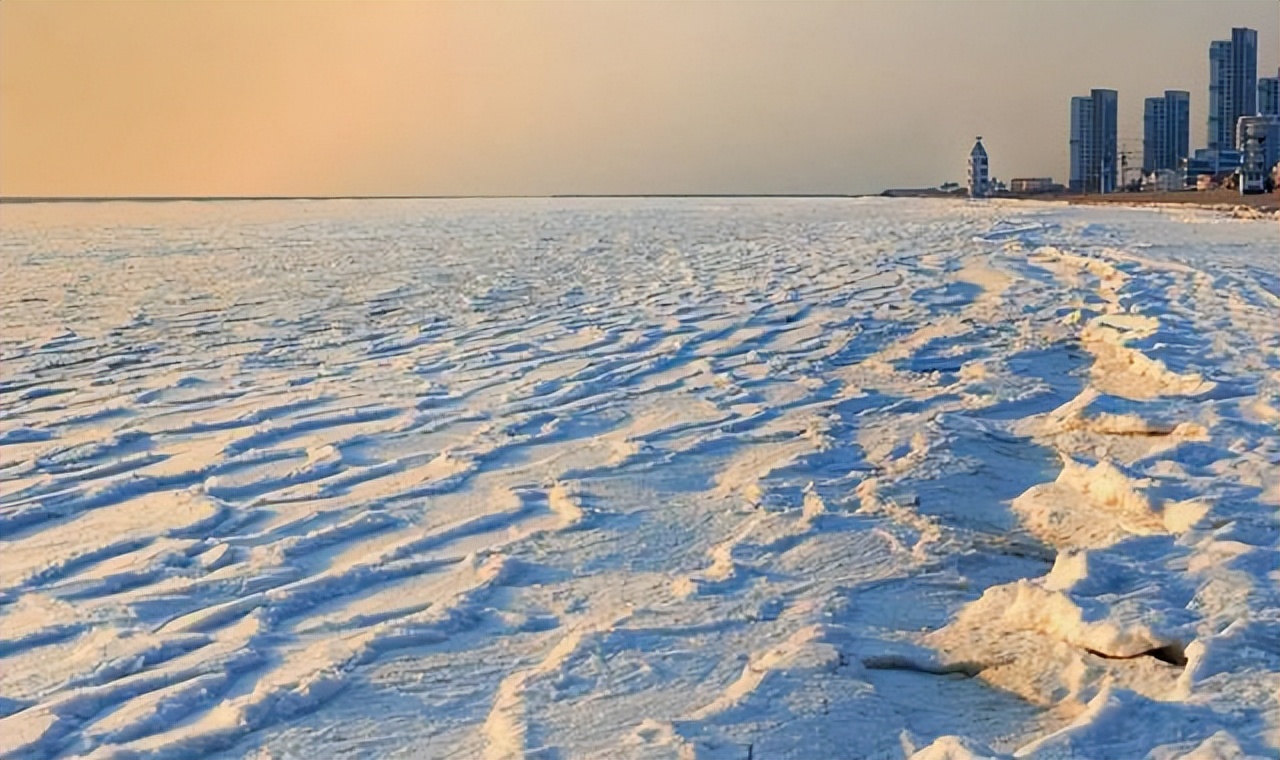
{"x": 340, "y": 99}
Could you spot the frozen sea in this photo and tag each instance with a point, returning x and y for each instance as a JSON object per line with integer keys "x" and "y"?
{"x": 646, "y": 478}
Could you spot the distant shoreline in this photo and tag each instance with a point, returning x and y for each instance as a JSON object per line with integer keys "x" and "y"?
{"x": 223, "y": 198}
{"x": 1219, "y": 200}
{"x": 1267, "y": 203}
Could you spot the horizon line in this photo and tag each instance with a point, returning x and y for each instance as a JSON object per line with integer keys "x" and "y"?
{"x": 205, "y": 198}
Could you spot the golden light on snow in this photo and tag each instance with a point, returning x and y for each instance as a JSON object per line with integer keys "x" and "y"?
{"x": 475, "y": 478}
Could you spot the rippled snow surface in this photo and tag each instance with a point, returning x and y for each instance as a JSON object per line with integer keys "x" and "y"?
{"x": 638, "y": 478}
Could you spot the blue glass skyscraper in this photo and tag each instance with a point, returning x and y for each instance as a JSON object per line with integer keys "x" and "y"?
{"x": 1233, "y": 85}
{"x": 1166, "y": 130}
{"x": 1269, "y": 95}
{"x": 1093, "y": 142}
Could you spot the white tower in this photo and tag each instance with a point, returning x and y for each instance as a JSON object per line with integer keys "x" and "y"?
{"x": 979, "y": 176}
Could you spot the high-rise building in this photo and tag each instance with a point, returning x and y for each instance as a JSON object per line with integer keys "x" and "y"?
{"x": 1269, "y": 95}
{"x": 1233, "y": 85}
{"x": 1093, "y": 142}
{"x": 1155, "y": 134}
{"x": 1219, "y": 95}
{"x": 1166, "y": 130}
{"x": 1244, "y": 72}
{"x": 979, "y": 171}
{"x": 1081, "y": 129}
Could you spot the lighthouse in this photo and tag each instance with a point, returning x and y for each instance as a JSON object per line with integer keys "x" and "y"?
{"x": 979, "y": 177}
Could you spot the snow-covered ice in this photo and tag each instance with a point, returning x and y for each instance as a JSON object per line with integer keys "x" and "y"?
{"x": 729, "y": 479}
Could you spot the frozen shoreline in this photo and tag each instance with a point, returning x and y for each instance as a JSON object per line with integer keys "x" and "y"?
{"x": 1266, "y": 206}
{"x": 1230, "y": 202}
{"x": 658, "y": 478}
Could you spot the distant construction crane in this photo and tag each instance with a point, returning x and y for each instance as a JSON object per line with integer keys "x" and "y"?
{"x": 1127, "y": 152}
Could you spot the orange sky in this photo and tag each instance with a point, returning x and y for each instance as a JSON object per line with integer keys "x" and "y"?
{"x": 311, "y": 97}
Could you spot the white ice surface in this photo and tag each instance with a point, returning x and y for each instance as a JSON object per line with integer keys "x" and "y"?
{"x": 638, "y": 478}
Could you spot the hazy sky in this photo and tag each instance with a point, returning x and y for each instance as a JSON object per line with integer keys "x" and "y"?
{"x": 312, "y": 97}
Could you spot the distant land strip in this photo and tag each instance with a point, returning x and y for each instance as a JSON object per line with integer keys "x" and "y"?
{"x": 207, "y": 198}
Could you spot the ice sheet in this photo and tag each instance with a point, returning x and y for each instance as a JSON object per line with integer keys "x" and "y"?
{"x": 649, "y": 478}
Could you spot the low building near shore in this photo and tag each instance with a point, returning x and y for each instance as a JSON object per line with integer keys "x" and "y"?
{"x": 1225, "y": 180}
{"x": 1210, "y": 162}
{"x": 1034, "y": 185}
{"x": 1163, "y": 181}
